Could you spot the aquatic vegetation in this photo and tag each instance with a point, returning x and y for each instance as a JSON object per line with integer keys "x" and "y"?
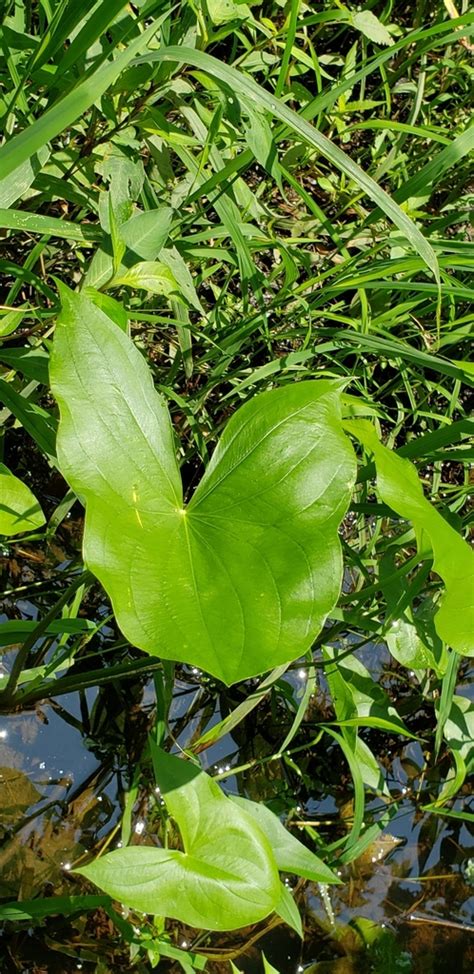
{"x": 235, "y": 483}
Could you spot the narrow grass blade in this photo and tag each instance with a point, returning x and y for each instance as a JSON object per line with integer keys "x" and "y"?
{"x": 71, "y": 107}
{"x": 241, "y": 84}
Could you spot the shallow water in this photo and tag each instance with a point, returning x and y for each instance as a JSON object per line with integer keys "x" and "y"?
{"x": 64, "y": 798}
{"x": 404, "y": 905}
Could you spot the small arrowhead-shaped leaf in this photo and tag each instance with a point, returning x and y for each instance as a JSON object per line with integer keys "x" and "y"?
{"x": 406, "y": 645}
{"x": 227, "y": 876}
{"x": 19, "y": 509}
{"x": 243, "y": 577}
{"x": 414, "y": 646}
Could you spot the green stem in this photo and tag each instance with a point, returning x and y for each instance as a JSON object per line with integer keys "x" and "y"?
{"x": 285, "y": 64}
{"x": 93, "y": 678}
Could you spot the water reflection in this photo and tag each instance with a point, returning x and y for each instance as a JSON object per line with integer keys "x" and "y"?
{"x": 404, "y": 905}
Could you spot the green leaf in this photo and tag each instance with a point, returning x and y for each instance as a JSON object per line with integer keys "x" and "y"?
{"x": 459, "y": 729}
{"x": 290, "y": 854}
{"x": 23, "y": 222}
{"x": 406, "y": 645}
{"x": 426, "y": 178}
{"x": 62, "y": 114}
{"x": 226, "y": 877}
{"x": 156, "y": 123}
{"x": 11, "y": 320}
{"x": 242, "y": 84}
{"x": 14, "y": 186}
{"x": 341, "y": 694}
{"x": 458, "y": 732}
{"x": 349, "y": 704}
{"x": 31, "y": 361}
{"x": 287, "y": 909}
{"x": 18, "y": 629}
{"x": 118, "y": 246}
{"x": 146, "y": 233}
{"x": 39, "y": 908}
{"x": 82, "y": 30}
{"x": 411, "y": 639}
{"x": 112, "y": 308}
{"x": 35, "y": 420}
{"x": 371, "y": 27}
{"x": 123, "y": 171}
{"x": 222, "y": 11}
{"x": 19, "y": 509}
{"x": 267, "y": 967}
{"x": 370, "y": 770}
{"x": 172, "y": 259}
{"x": 400, "y": 488}
{"x": 232, "y": 720}
{"x": 258, "y": 135}
{"x": 372, "y": 704}
{"x": 242, "y": 578}
{"x": 147, "y": 276}
{"x": 448, "y": 687}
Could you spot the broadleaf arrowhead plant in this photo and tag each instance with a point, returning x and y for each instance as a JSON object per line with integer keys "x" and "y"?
{"x": 227, "y": 876}
{"x": 241, "y": 578}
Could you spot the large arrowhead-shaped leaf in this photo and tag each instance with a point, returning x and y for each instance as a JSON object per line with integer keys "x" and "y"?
{"x": 227, "y": 876}
{"x": 242, "y": 578}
